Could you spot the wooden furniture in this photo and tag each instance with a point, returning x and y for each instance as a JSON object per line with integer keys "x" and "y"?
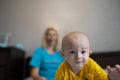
{"x": 106, "y": 58}
{"x": 11, "y": 63}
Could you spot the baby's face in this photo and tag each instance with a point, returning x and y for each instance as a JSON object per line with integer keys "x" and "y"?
{"x": 76, "y": 51}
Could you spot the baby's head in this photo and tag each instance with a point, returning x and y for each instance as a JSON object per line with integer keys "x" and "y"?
{"x": 76, "y": 49}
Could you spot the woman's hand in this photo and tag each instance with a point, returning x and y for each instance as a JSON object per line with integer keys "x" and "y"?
{"x": 114, "y": 73}
{"x": 43, "y": 78}
{"x": 39, "y": 78}
{"x": 35, "y": 74}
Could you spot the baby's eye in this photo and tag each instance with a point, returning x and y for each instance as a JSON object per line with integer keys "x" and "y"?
{"x": 72, "y": 52}
{"x": 83, "y": 52}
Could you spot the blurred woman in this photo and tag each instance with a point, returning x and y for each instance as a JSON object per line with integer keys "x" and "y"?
{"x": 46, "y": 58}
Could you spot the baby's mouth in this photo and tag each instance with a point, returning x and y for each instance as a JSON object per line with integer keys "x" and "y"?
{"x": 79, "y": 61}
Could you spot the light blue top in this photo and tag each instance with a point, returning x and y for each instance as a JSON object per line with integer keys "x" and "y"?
{"x": 47, "y": 63}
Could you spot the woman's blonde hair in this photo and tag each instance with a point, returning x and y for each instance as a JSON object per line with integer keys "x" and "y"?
{"x": 44, "y": 41}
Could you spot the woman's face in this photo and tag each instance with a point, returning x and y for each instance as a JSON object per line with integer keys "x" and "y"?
{"x": 51, "y": 37}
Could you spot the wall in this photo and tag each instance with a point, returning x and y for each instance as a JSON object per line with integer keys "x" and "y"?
{"x": 26, "y": 20}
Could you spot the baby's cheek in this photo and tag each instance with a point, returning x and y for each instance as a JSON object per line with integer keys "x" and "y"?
{"x": 86, "y": 58}
{"x": 71, "y": 59}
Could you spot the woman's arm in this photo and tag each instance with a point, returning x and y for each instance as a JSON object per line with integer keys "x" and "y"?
{"x": 35, "y": 74}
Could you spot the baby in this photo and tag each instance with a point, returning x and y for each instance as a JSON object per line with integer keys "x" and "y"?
{"x": 78, "y": 64}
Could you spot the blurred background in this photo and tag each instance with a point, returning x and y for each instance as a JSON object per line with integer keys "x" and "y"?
{"x": 26, "y": 21}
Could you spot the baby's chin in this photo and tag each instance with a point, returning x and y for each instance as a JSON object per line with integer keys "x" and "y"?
{"x": 79, "y": 66}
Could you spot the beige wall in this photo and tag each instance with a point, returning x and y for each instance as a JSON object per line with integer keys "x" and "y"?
{"x": 26, "y": 20}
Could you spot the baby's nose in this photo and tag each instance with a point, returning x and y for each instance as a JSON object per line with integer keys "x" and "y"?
{"x": 79, "y": 55}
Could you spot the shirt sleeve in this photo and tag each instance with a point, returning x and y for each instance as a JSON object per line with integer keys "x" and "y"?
{"x": 59, "y": 76}
{"x": 60, "y": 73}
{"x": 36, "y": 59}
{"x": 62, "y": 57}
{"x": 99, "y": 73}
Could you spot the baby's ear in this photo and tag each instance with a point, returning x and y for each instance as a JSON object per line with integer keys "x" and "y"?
{"x": 62, "y": 52}
{"x": 90, "y": 52}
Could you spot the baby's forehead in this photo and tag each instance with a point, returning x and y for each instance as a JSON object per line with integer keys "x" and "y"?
{"x": 74, "y": 38}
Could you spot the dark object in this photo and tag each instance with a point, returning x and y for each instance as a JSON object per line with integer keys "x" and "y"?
{"x": 27, "y": 67}
{"x": 106, "y": 58}
{"x": 11, "y": 63}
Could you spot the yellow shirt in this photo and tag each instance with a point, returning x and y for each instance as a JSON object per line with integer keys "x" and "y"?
{"x": 90, "y": 71}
